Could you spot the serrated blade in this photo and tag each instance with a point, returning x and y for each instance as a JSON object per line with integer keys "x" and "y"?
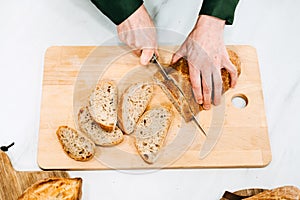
{"x": 167, "y": 77}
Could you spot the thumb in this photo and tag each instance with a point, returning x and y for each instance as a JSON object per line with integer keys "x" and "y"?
{"x": 232, "y": 71}
{"x": 179, "y": 54}
{"x": 146, "y": 56}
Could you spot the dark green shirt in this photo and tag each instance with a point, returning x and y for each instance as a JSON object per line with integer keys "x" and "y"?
{"x": 119, "y": 10}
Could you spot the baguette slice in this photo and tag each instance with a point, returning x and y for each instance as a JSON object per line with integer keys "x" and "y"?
{"x": 76, "y": 145}
{"x": 103, "y": 104}
{"x": 133, "y": 104}
{"x": 179, "y": 72}
{"x": 98, "y": 135}
{"x": 151, "y": 131}
{"x": 54, "y": 188}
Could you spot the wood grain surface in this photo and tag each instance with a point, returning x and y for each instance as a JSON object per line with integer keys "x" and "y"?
{"x": 13, "y": 183}
{"x": 70, "y": 73}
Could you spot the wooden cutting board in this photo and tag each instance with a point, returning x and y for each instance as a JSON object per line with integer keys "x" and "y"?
{"x": 13, "y": 183}
{"x": 70, "y": 73}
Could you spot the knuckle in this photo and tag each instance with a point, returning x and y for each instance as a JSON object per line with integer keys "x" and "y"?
{"x": 196, "y": 87}
{"x": 206, "y": 90}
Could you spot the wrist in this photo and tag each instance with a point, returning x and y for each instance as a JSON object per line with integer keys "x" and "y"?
{"x": 210, "y": 22}
{"x": 139, "y": 19}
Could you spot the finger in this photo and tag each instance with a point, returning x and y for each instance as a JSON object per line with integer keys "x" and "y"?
{"x": 156, "y": 53}
{"x": 179, "y": 54}
{"x": 196, "y": 84}
{"x": 137, "y": 52}
{"x": 232, "y": 71}
{"x": 146, "y": 56}
{"x": 206, "y": 90}
{"x": 217, "y": 87}
{"x": 175, "y": 58}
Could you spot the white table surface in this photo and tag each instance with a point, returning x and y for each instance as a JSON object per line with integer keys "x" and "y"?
{"x": 28, "y": 27}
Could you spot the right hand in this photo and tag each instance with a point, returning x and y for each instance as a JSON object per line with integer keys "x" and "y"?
{"x": 206, "y": 54}
{"x": 139, "y": 33}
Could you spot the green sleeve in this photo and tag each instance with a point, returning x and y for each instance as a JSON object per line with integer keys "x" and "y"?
{"x": 223, "y": 9}
{"x": 117, "y": 10}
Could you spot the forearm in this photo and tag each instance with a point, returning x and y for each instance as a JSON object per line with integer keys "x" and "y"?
{"x": 117, "y": 10}
{"x": 223, "y": 9}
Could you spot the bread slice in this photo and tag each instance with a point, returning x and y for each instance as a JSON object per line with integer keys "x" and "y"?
{"x": 133, "y": 104}
{"x": 54, "y": 188}
{"x": 98, "y": 135}
{"x": 76, "y": 145}
{"x": 179, "y": 72}
{"x": 103, "y": 104}
{"x": 151, "y": 131}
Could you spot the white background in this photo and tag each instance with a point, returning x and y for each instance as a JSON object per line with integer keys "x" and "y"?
{"x": 28, "y": 27}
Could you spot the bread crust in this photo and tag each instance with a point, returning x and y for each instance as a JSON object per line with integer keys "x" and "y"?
{"x": 103, "y": 112}
{"x": 130, "y": 96}
{"x": 179, "y": 72}
{"x": 285, "y": 192}
{"x": 98, "y": 135}
{"x": 54, "y": 188}
{"x": 79, "y": 147}
{"x": 149, "y": 144}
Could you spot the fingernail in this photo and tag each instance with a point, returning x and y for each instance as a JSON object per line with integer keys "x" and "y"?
{"x": 206, "y": 106}
{"x": 199, "y": 101}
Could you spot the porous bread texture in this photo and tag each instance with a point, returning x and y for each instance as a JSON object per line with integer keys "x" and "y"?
{"x": 97, "y": 134}
{"x": 103, "y": 104}
{"x": 151, "y": 131}
{"x": 133, "y": 103}
{"x": 54, "y": 188}
{"x": 76, "y": 145}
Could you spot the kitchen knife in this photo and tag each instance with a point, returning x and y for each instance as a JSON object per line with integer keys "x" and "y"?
{"x": 170, "y": 80}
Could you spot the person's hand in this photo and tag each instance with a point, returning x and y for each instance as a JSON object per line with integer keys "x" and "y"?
{"x": 206, "y": 54}
{"x": 139, "y": 33}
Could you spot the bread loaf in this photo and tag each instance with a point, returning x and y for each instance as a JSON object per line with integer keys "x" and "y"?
{"x": 179, "y": 72}
{"x": 103, "y": 104}
{"x": 151, "y": 131}
{"x": 98, "y": 135}
{"x": 285, "y": 192}
{"x": 133, "y": 104}
{"x": 76, "y": 145}
{"x": 54, "y": 188}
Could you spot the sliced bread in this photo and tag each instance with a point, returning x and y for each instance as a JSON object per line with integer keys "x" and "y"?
{"x": 54, "y": 188}
{"x": 76, "y": 145}
{"x": 103, "y": 104}
{"x": 133, "y": 104}
{"x": 98, "y": 135}
{"x": 151, "y": 131}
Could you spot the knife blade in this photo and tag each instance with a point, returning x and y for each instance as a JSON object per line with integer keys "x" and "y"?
{"x": 215, "y": 130}
{"x": 167, "y": 77}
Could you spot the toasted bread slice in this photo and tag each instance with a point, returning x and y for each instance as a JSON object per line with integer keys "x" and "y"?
{"x": 151, "y": 131}
{"x": 54, "y": 188}
{"x": 133, "y": 104}
{"x": 98, "y": 135}
{"x": 103, "y": 104}
{"x": 76, "y": 145}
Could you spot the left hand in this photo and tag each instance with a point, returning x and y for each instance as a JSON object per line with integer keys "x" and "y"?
{"x": 206, "y": 54}
{"x": 139, "y": 33}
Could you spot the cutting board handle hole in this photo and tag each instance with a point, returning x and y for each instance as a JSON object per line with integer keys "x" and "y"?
{"x": 239, "y": 101}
